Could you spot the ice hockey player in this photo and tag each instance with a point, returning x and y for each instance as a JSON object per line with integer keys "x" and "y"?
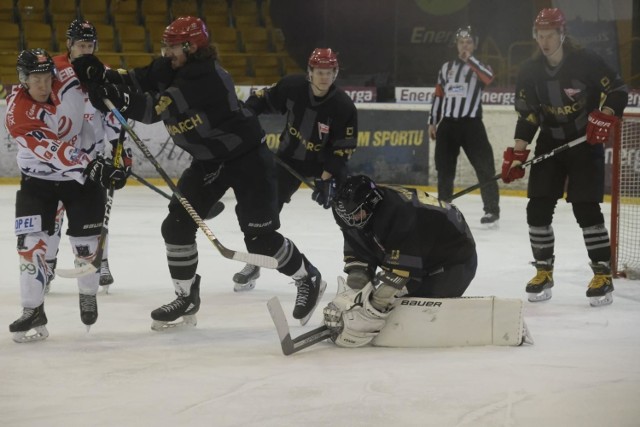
{"x": 82, "y": 39}
{"x": 320, "y": 134}
{"x": 559, "y": 92}
{"x": 195, "y": 97}
{"x": 422, "y": 246}
{"x": 45, "y": 117}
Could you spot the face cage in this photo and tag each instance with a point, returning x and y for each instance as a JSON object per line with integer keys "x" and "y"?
{"x": 349, "y": 217}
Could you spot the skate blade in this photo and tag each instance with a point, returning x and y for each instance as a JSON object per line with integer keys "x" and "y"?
{"x": 601, "y": 301}
{"x": 106, "y": 289}
{"x": 244, "y": 287}
{"x": 545, "y": 295}
{"x": 491, "y": 225}
{"x": 305, "y": 319}
{"x": 39, "y": 333}
{"x": 188, "y": 321}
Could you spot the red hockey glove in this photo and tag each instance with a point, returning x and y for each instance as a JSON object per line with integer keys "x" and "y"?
{"x": 599, "y": 127}
{"x": 511, "y": 169}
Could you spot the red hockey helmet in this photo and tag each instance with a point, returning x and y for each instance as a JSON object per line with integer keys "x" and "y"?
{"x": 550, "y": 19}
{"x": 186, "y": 29}
{"x": 323, "y": 58}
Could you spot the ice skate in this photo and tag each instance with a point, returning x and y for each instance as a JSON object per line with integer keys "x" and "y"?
{"x": 106, "y": 279}
{"x": 310, "y": 290}
{"x": 32, "y": 319}
{"x": 183, "y": 306}
{"x": 490, "y": 221}
{"x": 539, "y": 288}
{"x": 245, "y": 279}
{"x": 601, "y": 286}
{"x": 51, "y": 274}
{"x": 88, "y": 310}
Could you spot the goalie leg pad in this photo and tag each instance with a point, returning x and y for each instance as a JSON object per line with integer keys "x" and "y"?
{"x": 450, "y": 322}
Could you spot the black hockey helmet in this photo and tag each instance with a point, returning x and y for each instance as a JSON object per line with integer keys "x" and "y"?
{"x": 358, "y": 193}
{"x": 34, "y": 61}
{"x": 80, "y": 30}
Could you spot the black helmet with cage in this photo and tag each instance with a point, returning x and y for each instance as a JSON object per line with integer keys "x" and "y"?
{"x": 34, "y": 61}
{"x": 80, "y": 30}
{"x": 356, "y": 200}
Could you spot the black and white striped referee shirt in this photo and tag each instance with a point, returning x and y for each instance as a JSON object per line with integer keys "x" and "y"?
{"x": 459, "y": 90}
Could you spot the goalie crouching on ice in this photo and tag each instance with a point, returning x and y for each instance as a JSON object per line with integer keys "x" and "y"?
{"x": 423, "y": 246}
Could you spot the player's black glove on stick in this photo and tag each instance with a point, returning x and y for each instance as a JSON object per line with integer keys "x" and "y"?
{"x": 103, "y": 172}
{"x": 324, "y": 192}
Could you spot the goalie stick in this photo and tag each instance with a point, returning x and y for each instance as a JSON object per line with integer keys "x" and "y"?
{"x": 254, "y": 259}
{"x": 93, "y": 266}
{"x": 528, "y": 163}
{"x": 293, "y": 345}
{"x": 215, "y": 210}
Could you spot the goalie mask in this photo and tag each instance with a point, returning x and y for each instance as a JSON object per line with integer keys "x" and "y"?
{"x": 356, "y": 200}
{"x": 34, "y": 61}
{"x": 187, "y": 31}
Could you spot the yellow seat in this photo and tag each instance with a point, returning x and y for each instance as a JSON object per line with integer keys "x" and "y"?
{"x": 226, "y": 39}
{"x": 155, "y": 11}
{"x": 33, "y": 10}
{"x": 256, "y": 39}
{"x": 38, "y": 34}
{"x": 125, "y": 12}
{"x": 94, "y": 11}
{"x": 10, "y": 38}
{"x": 132, "y": 38}
{"x": 63, "y": 10}
{"x": 111, "y": 59}
{"x": 137, "y": 60}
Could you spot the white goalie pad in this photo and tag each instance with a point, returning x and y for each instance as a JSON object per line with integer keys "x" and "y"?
{"x": 453, "y": 322}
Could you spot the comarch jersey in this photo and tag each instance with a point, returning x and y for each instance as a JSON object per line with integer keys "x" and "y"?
{"x": 49, "y": 135}
{"x": 320, "y": 133}
{"x": 558, "y": 99}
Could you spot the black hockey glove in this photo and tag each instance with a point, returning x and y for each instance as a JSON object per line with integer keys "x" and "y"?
{"x": 103, "y": 172}
{"x": 89, "y": 69}
{"x": 324, "y": 192}
{"x": 118, "y": 94}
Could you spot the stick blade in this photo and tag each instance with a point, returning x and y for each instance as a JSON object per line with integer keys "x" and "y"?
{"x": 254, "y": 259}
{"x": 282, "y": 326}
{"x": 74, "y": 273}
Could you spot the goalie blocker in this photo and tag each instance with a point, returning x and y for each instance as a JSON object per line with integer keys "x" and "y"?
{"x": 430, "y": 322}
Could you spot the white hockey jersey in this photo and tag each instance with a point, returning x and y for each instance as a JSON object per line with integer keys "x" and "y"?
{"x": 103, "y": 127}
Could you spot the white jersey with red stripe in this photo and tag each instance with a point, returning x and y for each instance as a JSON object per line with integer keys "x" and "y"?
{"x": 51, "y": 136}
{"x": 105, "y": 127}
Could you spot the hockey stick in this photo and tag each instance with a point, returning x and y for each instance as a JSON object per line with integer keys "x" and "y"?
{"x": 528, "y": 163}
{"x": 94, "y": 265}
{"x": 294, "y": 172}
{"x": 293, "y": 345}
{"x": 147, "y": 184}
{"x": 254, "y": 259}
{"x": 215, "y": 210}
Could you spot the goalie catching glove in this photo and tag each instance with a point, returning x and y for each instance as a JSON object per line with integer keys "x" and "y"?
{"x": 599, "y": 127}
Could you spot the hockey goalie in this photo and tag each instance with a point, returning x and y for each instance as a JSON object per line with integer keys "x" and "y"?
{"x": 425, "y": 256}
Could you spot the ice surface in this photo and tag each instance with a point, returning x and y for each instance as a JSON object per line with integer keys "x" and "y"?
{"x": 584, "y": 369}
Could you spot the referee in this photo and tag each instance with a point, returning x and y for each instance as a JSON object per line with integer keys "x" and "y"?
{"x": 456, "y": 113}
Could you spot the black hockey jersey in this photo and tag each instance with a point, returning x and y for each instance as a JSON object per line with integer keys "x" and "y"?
{"x": 559, "y": 99}
{"x": 320, "y": 133}
{"x": 411, "y": 233}
{"x": 199, "y": 108}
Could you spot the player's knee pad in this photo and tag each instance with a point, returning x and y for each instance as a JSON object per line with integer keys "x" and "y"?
{"x": 588, "y": 214}
{"x": 84, "y": 248}
{"x": 178, "y": 228}
{"x": 264, "y": 244}
{"x": 540, "y": 211}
